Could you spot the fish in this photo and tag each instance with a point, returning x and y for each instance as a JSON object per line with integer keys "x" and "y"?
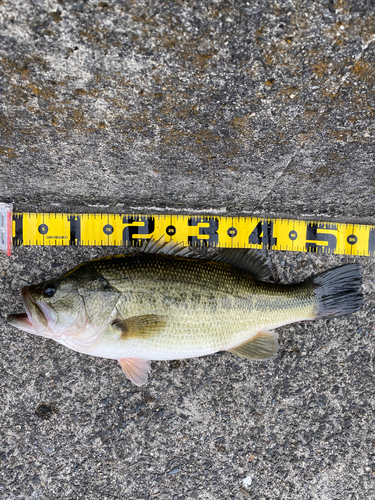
{"x": 165, "y": 302}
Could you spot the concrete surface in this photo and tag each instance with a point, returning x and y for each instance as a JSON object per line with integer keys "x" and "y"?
{"x": 230, "y": 107}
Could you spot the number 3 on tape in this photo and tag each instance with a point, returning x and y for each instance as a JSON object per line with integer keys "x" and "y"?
{"x": 62, "y": 229}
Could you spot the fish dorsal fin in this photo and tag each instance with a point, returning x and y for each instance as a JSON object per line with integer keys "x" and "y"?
{"x": 250, "y": 261}
{"x": 263, "y": 345}
{"x": 164, "y": 247}
{"x": 136, "y": 370}
{"x": 140, "y": 327}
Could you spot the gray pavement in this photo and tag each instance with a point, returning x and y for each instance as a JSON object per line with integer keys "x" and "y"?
{"x": 225, "y": 107}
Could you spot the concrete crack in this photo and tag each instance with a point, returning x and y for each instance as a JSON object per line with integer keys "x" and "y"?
{"x": 356, "y": 59}
{"x": 277, "y": 178}
{"x": 342, "y": 81}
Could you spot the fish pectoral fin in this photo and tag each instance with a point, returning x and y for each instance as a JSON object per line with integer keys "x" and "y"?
{"x": 138, "y": 327}
{"x": 263, "y": 345}
{"x": 136, "y": 370}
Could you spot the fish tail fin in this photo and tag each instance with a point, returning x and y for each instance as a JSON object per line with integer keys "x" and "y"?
{"x": 337, "y": 291}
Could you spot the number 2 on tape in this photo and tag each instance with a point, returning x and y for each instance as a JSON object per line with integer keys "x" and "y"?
{"x": 210, "y": 231}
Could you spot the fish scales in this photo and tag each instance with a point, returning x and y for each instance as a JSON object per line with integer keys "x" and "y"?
{"x": 209, "y": 306}
{"x": 162, "y": 304}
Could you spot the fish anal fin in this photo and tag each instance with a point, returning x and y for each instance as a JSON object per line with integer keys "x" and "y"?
{"x": 136, "y": 370}
{"x": 140, "y": 327}
{"x": 263, "y": 345}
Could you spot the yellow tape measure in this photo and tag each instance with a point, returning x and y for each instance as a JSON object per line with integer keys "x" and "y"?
{"x": 211, "y": 231}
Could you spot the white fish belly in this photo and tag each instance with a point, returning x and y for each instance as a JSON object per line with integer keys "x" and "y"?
{"x": 142, "y": 352}
{"x": 166, "y": 347}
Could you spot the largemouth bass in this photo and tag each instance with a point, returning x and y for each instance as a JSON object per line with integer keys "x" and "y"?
{"x": 164, "y": 303}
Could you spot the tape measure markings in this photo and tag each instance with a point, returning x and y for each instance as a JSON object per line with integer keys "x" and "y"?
{"x": 211, "y": 231}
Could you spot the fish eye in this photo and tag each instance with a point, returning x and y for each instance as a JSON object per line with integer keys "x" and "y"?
{"x": 49, "y": 290}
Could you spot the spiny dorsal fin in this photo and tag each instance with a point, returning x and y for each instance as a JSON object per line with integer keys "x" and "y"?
{"x": 250, "y": 261}
{"x": 140, "y": 327}
{"x": 136, "y": 370}
{"x": 262, "y": 346}
{"x": 164, "y": 247}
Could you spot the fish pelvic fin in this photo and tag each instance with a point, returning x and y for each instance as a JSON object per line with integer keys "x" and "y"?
{"x": 136, "y": 370}
{"x": 263, "y": 345}
{"x": 140, "y": 327}
{"x": 337, "y": 291}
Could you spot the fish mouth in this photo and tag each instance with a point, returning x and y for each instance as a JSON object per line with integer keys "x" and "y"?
{"x": 22, "y": 322}
{"x": 38, "y": 319}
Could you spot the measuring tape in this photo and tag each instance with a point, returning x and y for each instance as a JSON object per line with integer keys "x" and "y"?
{"x": 55, "y": 229}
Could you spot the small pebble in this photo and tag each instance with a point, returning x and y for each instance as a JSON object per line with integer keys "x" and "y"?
{"x": 247, "y": 481}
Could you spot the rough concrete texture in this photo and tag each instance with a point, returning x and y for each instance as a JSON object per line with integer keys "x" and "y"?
{"x": 235, "y": 105}
{"x": 230, "y": 107}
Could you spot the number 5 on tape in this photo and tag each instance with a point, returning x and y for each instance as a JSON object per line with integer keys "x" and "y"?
{"x": 60, "y": 229}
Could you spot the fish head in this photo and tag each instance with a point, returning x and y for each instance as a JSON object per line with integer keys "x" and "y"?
{"x": 54, "y": 309}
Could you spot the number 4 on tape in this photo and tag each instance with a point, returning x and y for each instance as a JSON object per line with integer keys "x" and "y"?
{"x": 61, "y": 229}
